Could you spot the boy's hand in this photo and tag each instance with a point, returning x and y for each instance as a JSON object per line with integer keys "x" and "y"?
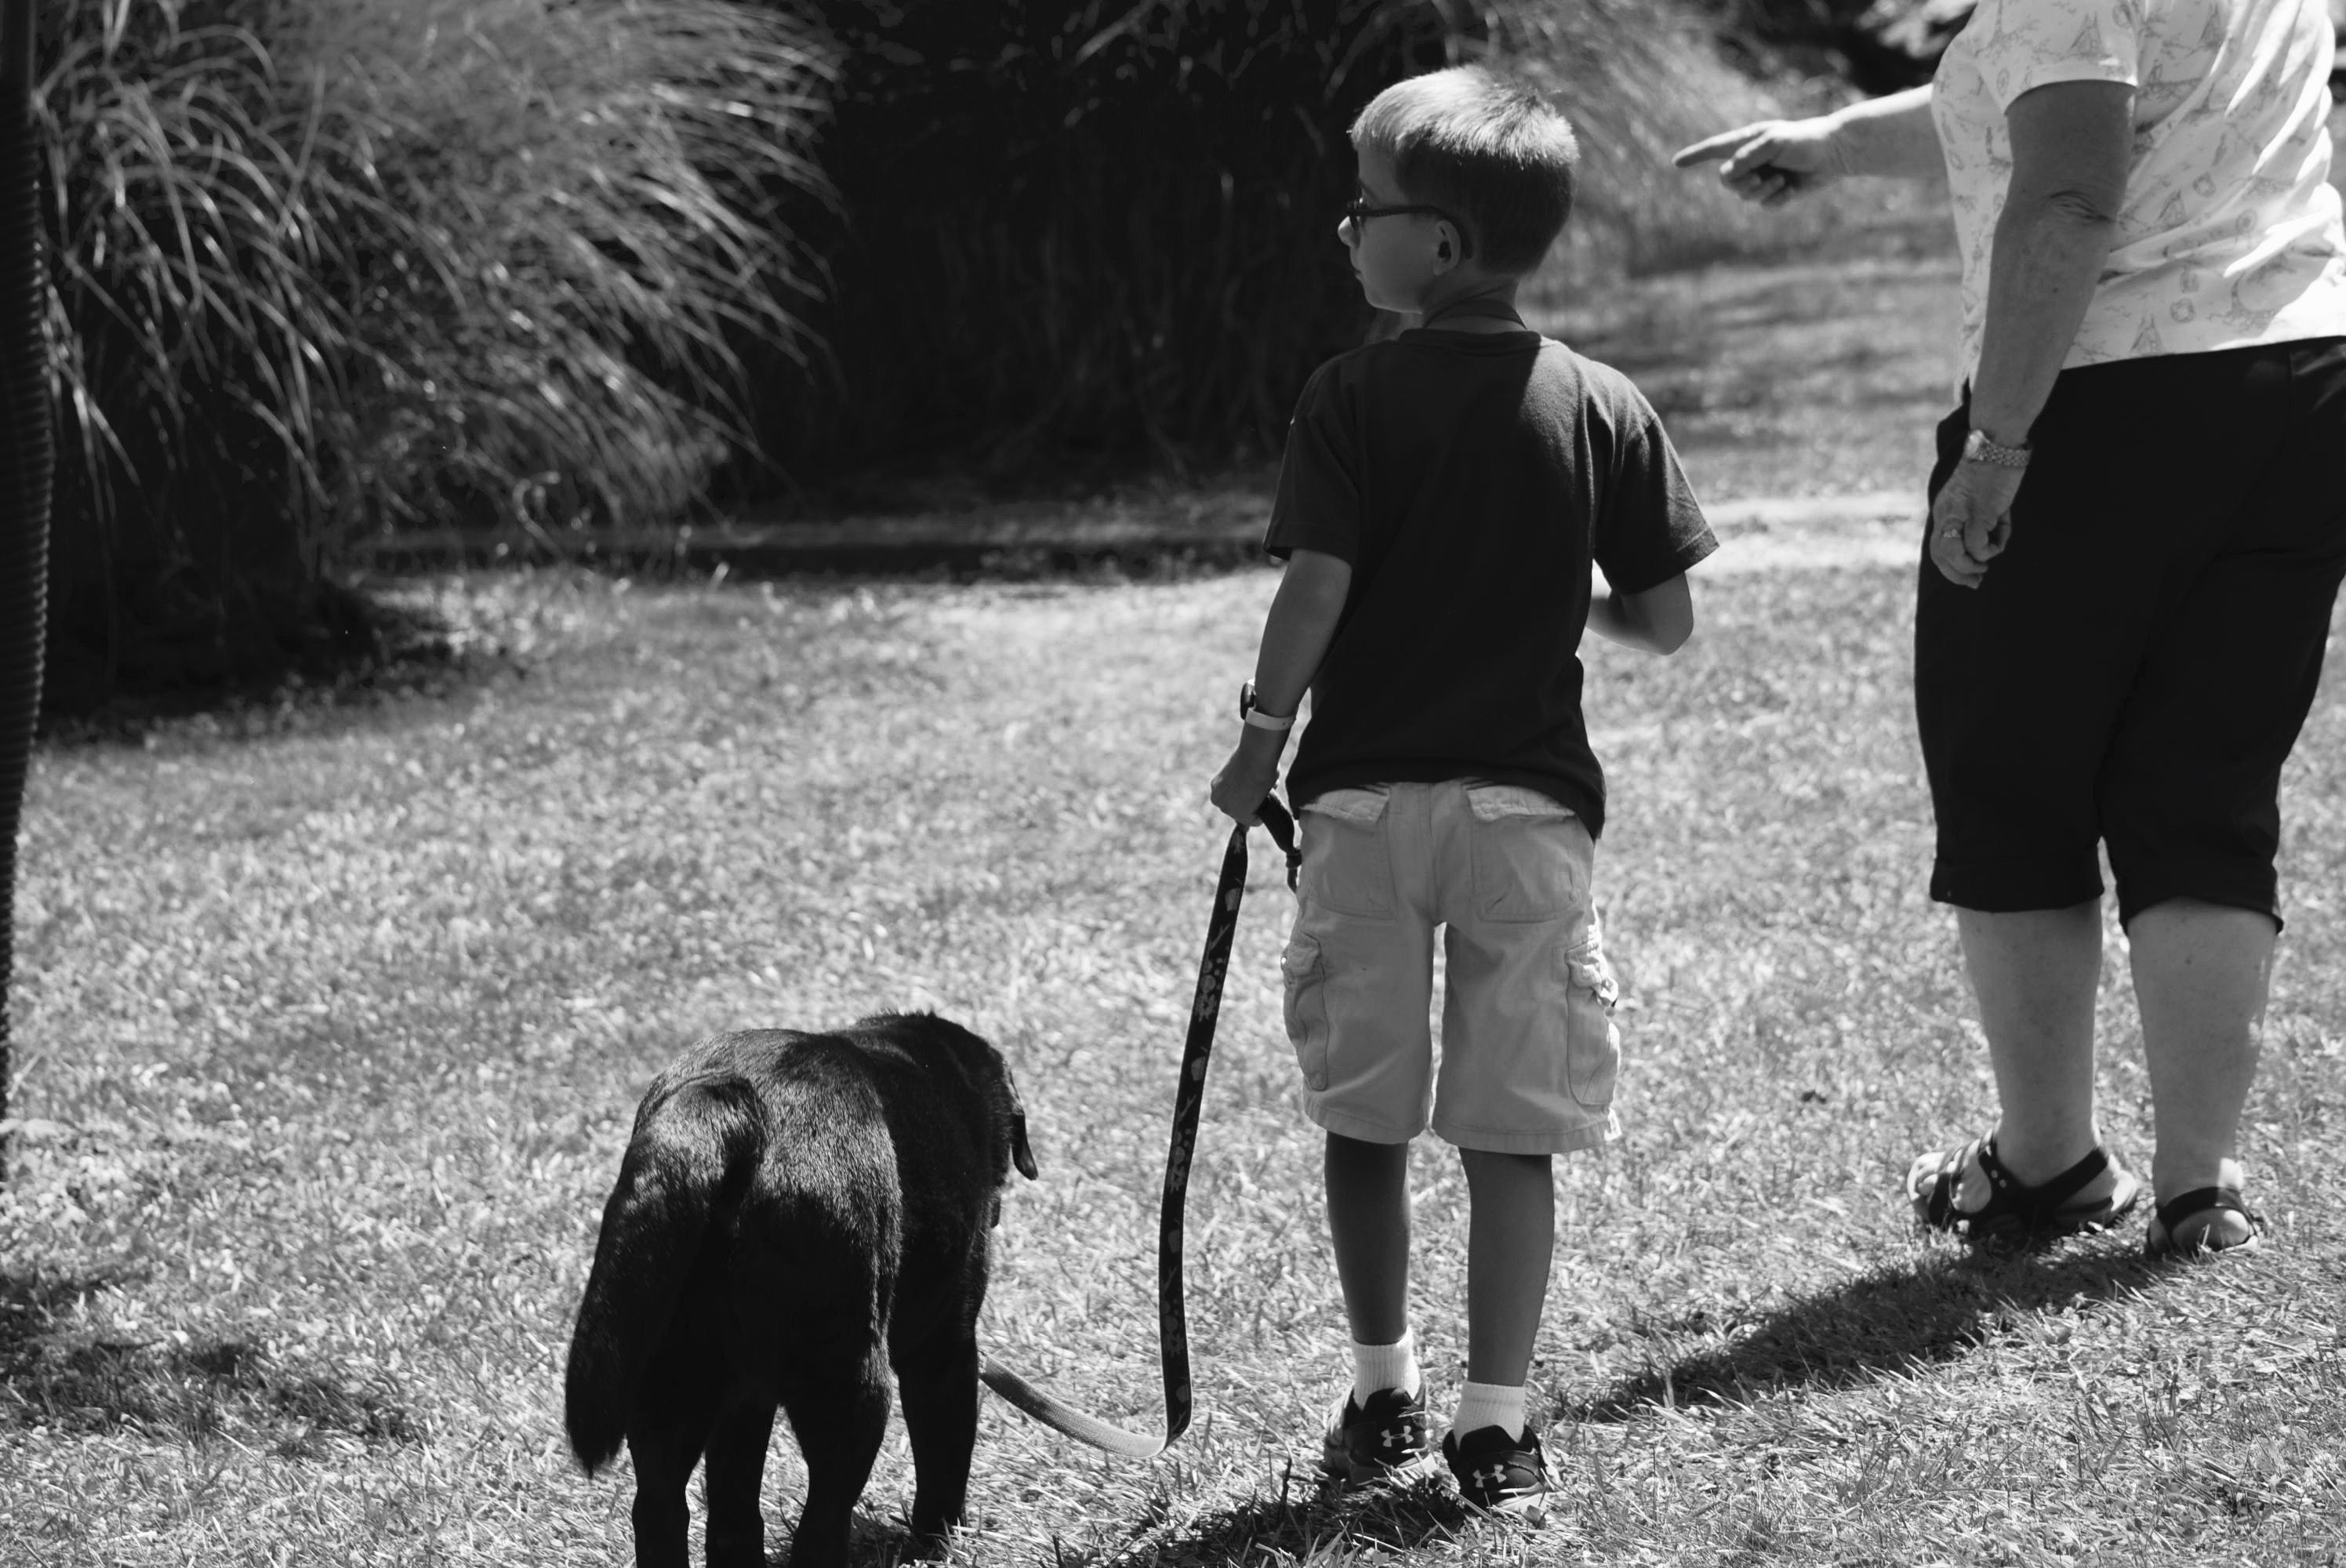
{"x": 1251, "y": 773}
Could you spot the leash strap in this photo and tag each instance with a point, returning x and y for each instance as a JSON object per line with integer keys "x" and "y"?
{"x": 1172, "y": 1315}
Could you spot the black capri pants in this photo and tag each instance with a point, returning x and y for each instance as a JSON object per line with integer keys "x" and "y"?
{"x": 2138, "y": 662}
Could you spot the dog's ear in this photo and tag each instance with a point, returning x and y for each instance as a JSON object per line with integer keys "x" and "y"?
{"x": 1020, "y": 1154}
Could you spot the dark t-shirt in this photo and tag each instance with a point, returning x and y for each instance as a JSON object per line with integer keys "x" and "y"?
{"x": 1469, "y": 479}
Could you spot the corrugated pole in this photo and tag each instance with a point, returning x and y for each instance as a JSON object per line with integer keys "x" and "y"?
{"x": 27, "y": 459}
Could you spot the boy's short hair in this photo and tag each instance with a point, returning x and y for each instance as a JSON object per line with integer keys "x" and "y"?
{"x": 1488, "y": 149}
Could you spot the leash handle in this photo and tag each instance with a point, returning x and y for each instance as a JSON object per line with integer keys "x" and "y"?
{"x": 1190, "y": 1097}
{"x": 1276, "y": 818}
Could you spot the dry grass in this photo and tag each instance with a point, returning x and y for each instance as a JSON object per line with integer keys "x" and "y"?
{"x": 338, "y": 1017}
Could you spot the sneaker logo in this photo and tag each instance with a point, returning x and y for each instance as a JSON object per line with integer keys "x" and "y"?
{"x": 1492, "y": 1476}
{"x": 1393, "y": 1437}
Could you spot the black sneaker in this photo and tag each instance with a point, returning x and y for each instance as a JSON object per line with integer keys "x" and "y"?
{"x": 1498, "y": 1474}
{"x": 1383, "y": 1440}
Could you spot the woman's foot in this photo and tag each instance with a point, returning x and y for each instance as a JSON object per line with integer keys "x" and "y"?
{"x": 1971, "y": 1191}
{"x": 2204, "y": 1220}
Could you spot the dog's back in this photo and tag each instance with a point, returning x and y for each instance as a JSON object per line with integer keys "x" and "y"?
{"x": 756, "y": 1208}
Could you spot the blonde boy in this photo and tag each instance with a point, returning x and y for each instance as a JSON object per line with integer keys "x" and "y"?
{"x": 1443, "y": 497}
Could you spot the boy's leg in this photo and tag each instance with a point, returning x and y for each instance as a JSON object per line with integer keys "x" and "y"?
{"x": 1377, "y": 1431}
{"x": 1510, "y": 1233}
{"x": 1359, "y": 972}
{"x": 1368, "y": 1218}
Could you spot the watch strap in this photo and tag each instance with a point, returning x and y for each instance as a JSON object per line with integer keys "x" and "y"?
{"x": 1978, "y": 448}
{"x": 1255, "y": 717}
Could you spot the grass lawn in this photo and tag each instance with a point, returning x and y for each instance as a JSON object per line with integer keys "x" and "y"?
{"x": 333, "y": 1019}
{"x": 1808, "y": 378}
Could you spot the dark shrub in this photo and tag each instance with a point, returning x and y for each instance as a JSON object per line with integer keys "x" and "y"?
{"x": 1087, "y": 226}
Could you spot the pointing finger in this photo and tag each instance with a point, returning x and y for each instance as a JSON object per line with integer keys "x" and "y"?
{"x": 1754, "y": 157}
{"x": 1724, "y": 144}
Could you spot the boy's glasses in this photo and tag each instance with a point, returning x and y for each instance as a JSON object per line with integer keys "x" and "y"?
{"x": 1360, "y": 210}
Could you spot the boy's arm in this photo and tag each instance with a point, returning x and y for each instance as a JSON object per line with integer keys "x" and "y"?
{"x": 1295, "y": 637}
{"x": 1658, "y": 619}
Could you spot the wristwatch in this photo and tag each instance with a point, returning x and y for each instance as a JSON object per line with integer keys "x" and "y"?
{"x": 1255, "y": 716}
{"x": 1978, "y": 448}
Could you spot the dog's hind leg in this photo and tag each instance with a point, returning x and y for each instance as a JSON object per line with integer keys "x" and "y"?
{"x": 838, "y": 1406}
{"x": 737, "y": 1463}
{"x": 938, "y": 1383}
{"x": 665, "y": 1454}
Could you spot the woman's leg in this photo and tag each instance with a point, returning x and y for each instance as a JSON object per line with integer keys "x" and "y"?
{"x": 2036, "y": 973}
{"x": 2201, "y": 972}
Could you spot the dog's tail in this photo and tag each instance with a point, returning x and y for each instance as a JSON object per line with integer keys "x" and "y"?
{"x": 690, "y": 1152}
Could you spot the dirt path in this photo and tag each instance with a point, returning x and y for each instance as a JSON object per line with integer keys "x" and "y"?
{"x": 1209, "y": 525}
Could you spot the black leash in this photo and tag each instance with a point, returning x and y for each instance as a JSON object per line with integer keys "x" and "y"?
{"x": 1172, "y": 1317}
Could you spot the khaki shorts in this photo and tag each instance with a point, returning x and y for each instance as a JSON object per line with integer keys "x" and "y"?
{"x": 1529, "y": 1052}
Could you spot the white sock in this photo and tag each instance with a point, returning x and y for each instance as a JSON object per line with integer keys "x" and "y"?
{"x": 1377, "y": 1367}
{"x": 1489, "y": 1405}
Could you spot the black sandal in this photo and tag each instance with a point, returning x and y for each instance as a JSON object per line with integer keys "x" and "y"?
{"x": 2159, "y": 1240}
{"x": 2013, "y": 1212}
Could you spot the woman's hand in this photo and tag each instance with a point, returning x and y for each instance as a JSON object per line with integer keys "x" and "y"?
{"x": 1971, "y": 522}
{"x": 1772, "y": 161}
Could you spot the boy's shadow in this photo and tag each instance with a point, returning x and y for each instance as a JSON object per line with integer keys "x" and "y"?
{"x": 1302, "y": 1522}
{"x": 1883, "y": 1322}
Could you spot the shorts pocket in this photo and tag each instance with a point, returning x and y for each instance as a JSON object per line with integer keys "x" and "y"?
{"x": 1592, "y": 1045}
{"x": 1530, "y": 857}
{"x": 1347, "y": 862}
{"x": 1306, "y": 1006}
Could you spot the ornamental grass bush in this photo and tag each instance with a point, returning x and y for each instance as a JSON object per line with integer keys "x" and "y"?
{"x": 328, "y": 266}
{"x": 1639, "y": 81}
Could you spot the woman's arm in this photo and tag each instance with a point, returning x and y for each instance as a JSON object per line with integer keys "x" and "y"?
{"x": 2072, "y": 144}
{"x": 1773, "y": 160}
{"x": 1893, "y": 136}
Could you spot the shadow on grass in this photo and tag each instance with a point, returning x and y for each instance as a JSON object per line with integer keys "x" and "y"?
{"x": 356, "y": 650}
{"x": 53, "y": 1378}
{"x": 1883, "y": 1323}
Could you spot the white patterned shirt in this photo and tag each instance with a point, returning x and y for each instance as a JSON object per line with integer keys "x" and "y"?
{"x": 2229, "y": 235}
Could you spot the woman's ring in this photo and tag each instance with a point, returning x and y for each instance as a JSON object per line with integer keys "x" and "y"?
{"x": 1951, "y": 532}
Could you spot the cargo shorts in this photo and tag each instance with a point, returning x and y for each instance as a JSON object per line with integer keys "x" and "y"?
{"x": 1529, "y": 1052}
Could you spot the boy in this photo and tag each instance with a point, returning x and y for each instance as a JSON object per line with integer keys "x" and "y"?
{"x": 1442, "y": 498}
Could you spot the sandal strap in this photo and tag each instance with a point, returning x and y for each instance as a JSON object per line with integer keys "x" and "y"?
{"x": 1939, "y": 1210}
{"x": 2199, "y": 1200}
{"x": 2042, "y": 1201}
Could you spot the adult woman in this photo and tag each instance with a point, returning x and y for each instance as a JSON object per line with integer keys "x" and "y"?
{"x": 2137, "y": 530}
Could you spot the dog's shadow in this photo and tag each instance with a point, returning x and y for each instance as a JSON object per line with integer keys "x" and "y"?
{"x": 1883, "y": 1323}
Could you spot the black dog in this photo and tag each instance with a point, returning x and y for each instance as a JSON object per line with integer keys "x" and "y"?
{"x": 795, "y": 1214}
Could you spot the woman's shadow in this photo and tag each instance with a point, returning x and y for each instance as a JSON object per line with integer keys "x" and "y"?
{"x": 1884, "y": 1322}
